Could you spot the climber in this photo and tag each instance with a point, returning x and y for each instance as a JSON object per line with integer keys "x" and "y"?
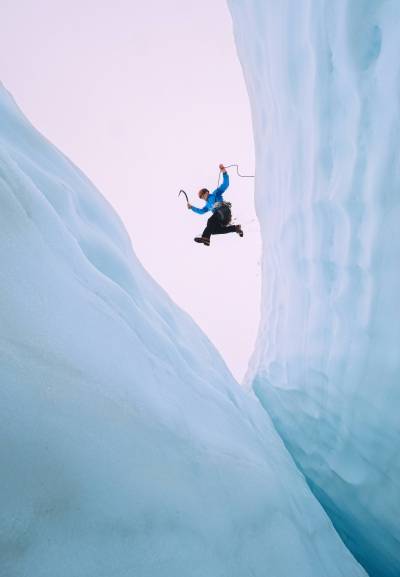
{"x": 218, "y": 223}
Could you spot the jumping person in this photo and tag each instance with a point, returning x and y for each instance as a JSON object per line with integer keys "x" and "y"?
{"x": 218, "y": 223}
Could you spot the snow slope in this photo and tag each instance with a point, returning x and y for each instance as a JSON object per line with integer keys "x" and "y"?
{"x": 324, "y": 84}
{"x": 127, "y": 448}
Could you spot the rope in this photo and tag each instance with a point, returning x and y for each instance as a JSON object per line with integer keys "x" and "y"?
{"x": 238, "y": 173}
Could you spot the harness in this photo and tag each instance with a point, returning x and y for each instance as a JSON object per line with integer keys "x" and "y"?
{"x": 223, "y": 211}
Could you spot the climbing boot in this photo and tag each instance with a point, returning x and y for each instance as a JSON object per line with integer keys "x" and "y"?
{"x": 203, "y": 239}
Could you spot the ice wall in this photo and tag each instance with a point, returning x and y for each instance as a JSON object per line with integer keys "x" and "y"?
{"x": 324, "y": 84}
{"x": 127, "y": 448}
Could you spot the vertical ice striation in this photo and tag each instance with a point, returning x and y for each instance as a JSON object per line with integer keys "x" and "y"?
{"x": 324, "y": 84}
{"x": 126, "y": 447}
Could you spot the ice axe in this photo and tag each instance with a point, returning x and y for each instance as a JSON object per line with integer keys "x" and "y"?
{"x": 182, "y": 191}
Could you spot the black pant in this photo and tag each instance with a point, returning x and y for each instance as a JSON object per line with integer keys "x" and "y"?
{"x": 214, "y": 226}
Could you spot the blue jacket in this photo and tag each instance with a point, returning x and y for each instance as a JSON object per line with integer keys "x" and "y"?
{"x": 214, "y": 197}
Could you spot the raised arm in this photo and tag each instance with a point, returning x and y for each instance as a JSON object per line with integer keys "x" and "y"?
{"x": 225, "y": 182}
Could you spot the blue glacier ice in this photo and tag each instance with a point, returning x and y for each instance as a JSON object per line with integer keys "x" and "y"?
{"x": 127, "y": 448}
{"x": 324, "y": 83}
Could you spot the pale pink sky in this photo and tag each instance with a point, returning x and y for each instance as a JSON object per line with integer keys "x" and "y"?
{"x": 147, "y": 98}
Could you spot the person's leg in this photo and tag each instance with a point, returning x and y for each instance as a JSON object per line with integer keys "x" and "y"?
{"x": 216, "y": 226}
{"x": 225, "y": 229}
{"x": 213, "y": 226}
